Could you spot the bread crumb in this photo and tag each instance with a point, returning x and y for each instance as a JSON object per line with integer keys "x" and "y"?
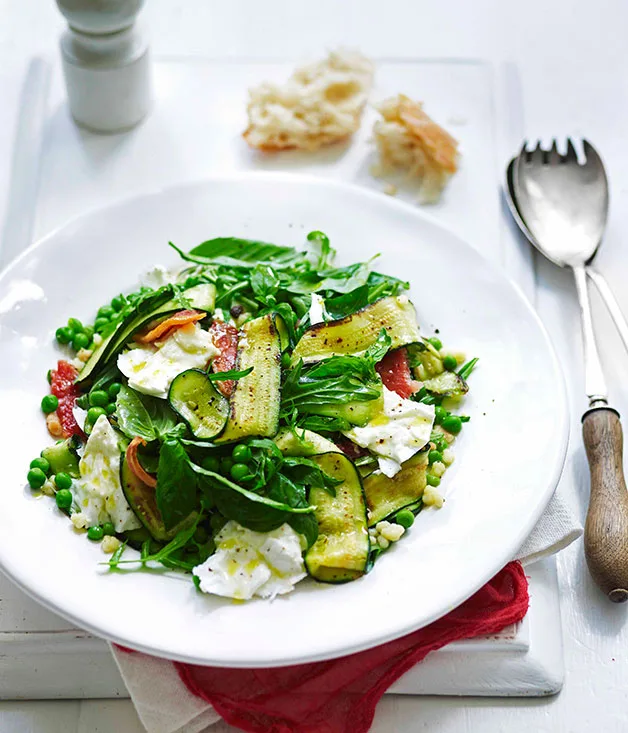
{"x": 320, "y": 104}
{"x": 390, "y": 189}
{"x": 408, "y": 139}
{"x": 54, "y": 425}
{"x": 110, "y": 544}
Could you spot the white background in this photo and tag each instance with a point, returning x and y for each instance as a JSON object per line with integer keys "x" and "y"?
{"x": 573, "y": 61}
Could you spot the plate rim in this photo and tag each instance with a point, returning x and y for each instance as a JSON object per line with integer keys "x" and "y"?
{"x": 353, "y": 189}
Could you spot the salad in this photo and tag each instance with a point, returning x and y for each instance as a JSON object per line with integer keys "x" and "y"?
{"x": 253, "y": 417}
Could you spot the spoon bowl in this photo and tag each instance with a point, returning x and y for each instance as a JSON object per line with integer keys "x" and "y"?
{"x": 563, "y": 203}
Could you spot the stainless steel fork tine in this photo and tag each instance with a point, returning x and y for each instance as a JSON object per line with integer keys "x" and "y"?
{"x": 554, "y": 155}
{"x": 592, "y": 156}
{"x": 537, "y": 155}
{"x": 570, "y": 156}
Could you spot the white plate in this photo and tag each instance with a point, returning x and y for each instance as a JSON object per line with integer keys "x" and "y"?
{"x": 509, "y": 456}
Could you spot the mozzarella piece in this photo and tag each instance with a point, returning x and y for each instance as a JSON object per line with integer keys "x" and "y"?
{"x": 151, "y": 369}
{"x": 396, "y": 435}
{"x": 318, "y": 314}
{"x": 247, "y": 563}
{"x": 98, "y": 491}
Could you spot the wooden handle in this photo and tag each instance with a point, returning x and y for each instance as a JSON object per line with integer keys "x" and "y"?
{"x": 606, "y": 528}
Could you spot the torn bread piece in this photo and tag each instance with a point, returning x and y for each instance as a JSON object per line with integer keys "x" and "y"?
{"x": 408, "y": 139}
{"x": 320, "y": 104}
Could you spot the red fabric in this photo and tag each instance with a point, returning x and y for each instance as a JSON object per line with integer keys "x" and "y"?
{"x": 394, "y": 369}
{"x": 66, "y": 391}
{"x": 339, "y": 696}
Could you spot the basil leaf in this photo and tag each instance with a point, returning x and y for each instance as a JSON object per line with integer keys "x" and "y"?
{"x": 305, "y": 524}
{"x": 228, "y": 375}
{"x": 133, "y": 417}
{"x": 251, "y": 496}
{"x": 347, "y": 304}
{"x": 377, "y": 351}
{"x": 324, "y": 424}
{"x": 381, "y": 286}
{"x": 264, "y": 282}
{"x": 146, "y": 417}
{"x": 322, "y": 249}
{"x": 246, "y": 250}
{"x": 177, "y": 485}
{"x": 306, "y": 472}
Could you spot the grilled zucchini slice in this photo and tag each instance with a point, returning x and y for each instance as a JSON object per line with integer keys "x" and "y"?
{"x": 193, "y": 396}
{"x": 355, "y": 333}
{"x": 341, "y": 551}
{"x": 386, "y": 496}
{"x": 254, "y": 405}
{"x": 447, "y": 384}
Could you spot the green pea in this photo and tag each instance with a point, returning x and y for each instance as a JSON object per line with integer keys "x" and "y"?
{"x": 106, "y": 311}
{"x": 49, "y": 376}
{"x": 108, "y": 529}
{"x": 63, "y": 480}
{"x": 80, "y": 341}
{"x": 405, "y": 518}
{"x": 49, "y": 403}
{"x": 36, "y": 478}
{"x": 114, "y": 389}
{"x": 63, "y": 497}
{"x": 450, "y": 363}
{"x": 145, "y": 289}
{"x": 241, "y": 454}
{"x": 117, "y": 303}
{"x": 95, "y": 533}
{"x": 98, "y": 398}
{"x": 83, "y": 401}
{"x": 452, "y": 424}
{"x": 42, "y": 463}
{"x": 94, "y": 413}
{"x": 75, "y": 325}
{"x": 440, "y": 413}
{"x": 239, "y": 471}
{"x": 225, "y": 465}
{"x": 111, "y": 408}
{"x": 133, "y": 298}
{"x": 211, "y": 463}
{"x": 100, "y": 324}
{"x": 434, "y": 456}
{"x": 432, "y": 480}
{"x": 436, "y": 343}
{"x": 64, "y": 335}
{"x": 285, "y": 360}
{"x": 89, "y": 332}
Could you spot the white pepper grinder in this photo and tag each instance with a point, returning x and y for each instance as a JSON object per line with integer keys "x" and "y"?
{"x": 105, "y": 63}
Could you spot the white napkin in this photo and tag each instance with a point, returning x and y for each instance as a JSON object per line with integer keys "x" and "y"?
{"x": 165, "y": 705}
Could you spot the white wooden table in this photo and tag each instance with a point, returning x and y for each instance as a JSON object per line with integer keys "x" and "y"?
{"x": 572, "y": 58}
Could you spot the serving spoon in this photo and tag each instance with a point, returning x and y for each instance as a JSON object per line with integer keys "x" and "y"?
{"x": 596, "y": 277}
{"x": 561, "y": 205}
